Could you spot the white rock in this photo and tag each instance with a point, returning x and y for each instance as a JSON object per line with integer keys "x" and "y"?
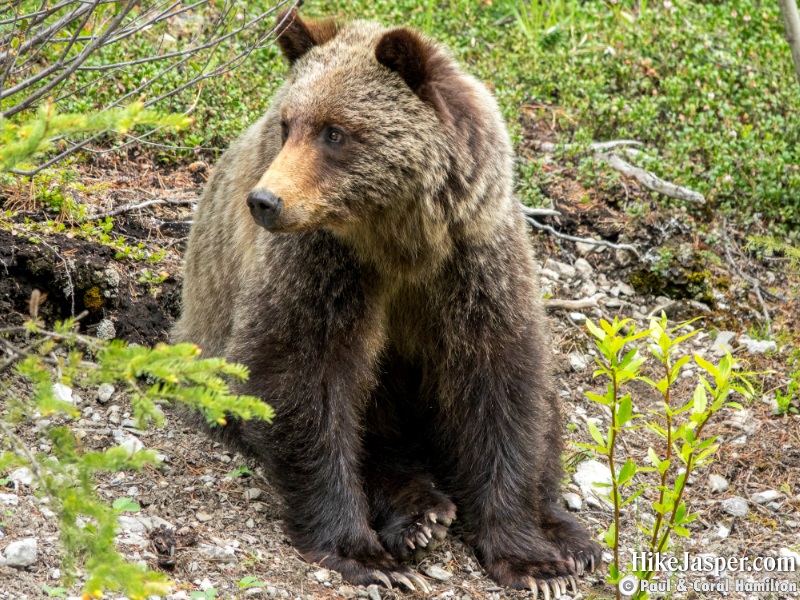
{"x": 104, "y": 393}
{"x": 717, "y": 483}
{"x": 583, "y": 268}
{"x": 588, "y": 288}
{"x": 573, "y": 501}
{"x": 322, "y": 575}
{"x": 758, "y": 346}
{"x": 723, "y": 342}
{"x": 587, "y": 474}
{"x": 549, "y": 274}
{"x": 437, "y": 573}
{"x": 736, "y": 506}
{"x": 132, "y": 444}
{"x": 626, "y": 289}
{"x": 179, "y": 595}
{"x": 253, "y": 494}
{"x": 566, "y": 271}
{"x": 764, "y": 497}
{"x": 63, "y": 393}
{"x": 786, "y": 552}
{"x": 577, "y": 361}
{"x": 205, "y": 584}
{"x": 9, "y": 499}
{"x": 587, "y": 248}
{"x": 21, "y": 554}
{"x": 22, "y": 475}
{"x": 132, "y": 524}
{"x": 577, "y": 317}
{"x": 723, "y": 531}
{"x": 106, "y": 330}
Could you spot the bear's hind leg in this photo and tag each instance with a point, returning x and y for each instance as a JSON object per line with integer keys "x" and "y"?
{"x": 409, "y": 513}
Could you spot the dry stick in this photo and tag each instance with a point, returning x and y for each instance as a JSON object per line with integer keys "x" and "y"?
{"x": 590, "y": 302}
{"x": 540, "y": 212}
{"x": 791, "y": 25}
{"x": 573, "y": 238}
{"x": 128, "y": 207}
{"x": 646, "y": 178}
{"x": 651, "y": 181}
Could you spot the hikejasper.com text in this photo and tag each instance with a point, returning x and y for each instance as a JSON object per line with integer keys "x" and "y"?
{"x": 656, "y": 562}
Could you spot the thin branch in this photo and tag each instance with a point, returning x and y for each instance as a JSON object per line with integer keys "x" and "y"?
{"x": 755, "y": 284}
{"x": 559, "y": 304}
{"x": 573, "y": 238}
{"x": 540, "y": 212}
{"x": 129, "y": 207}
{"x": 651, "y": 181}
{"x": 791, "y": 26}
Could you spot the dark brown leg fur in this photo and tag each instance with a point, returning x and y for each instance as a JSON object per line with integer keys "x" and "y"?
{"x": 499, "y": 430}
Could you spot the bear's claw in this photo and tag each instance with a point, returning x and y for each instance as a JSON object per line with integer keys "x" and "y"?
{"x": 558, "y": 585}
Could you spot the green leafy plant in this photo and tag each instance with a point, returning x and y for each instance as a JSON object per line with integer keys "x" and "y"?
{"x": 250, "y": 582}
{"x": 54, "y": 592}
{"x": 49, "y": 362}
{"x": 206, "y": 594}
{"x": 240, "y": 471}
{"x": 679, "y": 427}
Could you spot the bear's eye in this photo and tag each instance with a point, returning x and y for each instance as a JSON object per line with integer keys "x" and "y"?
{"x": 284, "y": 131}
{"x": 334, "y": 136}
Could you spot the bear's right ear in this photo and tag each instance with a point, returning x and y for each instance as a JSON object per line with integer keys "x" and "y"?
{"x": 296, "y": 36}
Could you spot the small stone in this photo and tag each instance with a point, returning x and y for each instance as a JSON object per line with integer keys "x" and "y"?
{"x": 573, "y": 501}
{"x": 577, "y": 317}
{"x": 322, "y": 575}
{"x": 587, "y": 474}
{"x": 203, "y": 517}
{"x": 250, "y": 523}
{"x": 437, "y": 572}
{"x": 723, "y": 342}
{"x": 104, "y": 393}
{"x": 373, "y": 593}
{"x": 608, "y": 557}
{"x": 723, "y": 531}
{"x": 63, "y": 393}
{"x": 9, "y": 499}
{"x": 626, "y": 289}
{"x": 253, "y": 592}
{"x": 22, "y": 475}
{"x": 583, "y": 268}
{"x": 624, "y": 258}
{"x": 588, "y": 288}
{"x": 758, "y": 346}
{"x": 764, "y": 497}
{"x": 564, "y": 270}
{"x": 346, "y": 592}
{"x": 787, "y": 553}
{"x": 106, "y": 330}
{"x": 252, "y": 494}
{"x": 132, "y": 445}
{"x": 577, "y": 361}
{"x": 21, "y": 554}
{"x": 587, "y": 248}
{"x": 717, "y": 483}
{"x": 736, "y": 506}
{"x": 179, "y": 595}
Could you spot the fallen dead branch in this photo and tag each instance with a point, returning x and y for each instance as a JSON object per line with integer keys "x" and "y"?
{"x": 601, "y": 151}
{"x": 129, "y": 207}
{"x": 591, "y": 241}
{"x": 580, "y": 304}
{"x": 540, "y": 212}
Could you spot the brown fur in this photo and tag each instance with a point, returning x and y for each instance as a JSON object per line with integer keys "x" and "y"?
{"x": 390, "y": 315}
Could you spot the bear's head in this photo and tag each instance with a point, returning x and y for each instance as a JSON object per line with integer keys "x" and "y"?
{"x": 377, "y": 126}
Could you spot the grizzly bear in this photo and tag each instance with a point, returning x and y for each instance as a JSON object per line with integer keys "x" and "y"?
{"x": 360, "y": 250}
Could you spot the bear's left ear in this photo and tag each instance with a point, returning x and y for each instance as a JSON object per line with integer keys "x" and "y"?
{"x": 408, "y": 55}
{"x": 296, "y": 36}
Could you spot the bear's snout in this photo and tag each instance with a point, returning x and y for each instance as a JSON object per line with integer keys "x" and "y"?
{"x": 264, "y": 207}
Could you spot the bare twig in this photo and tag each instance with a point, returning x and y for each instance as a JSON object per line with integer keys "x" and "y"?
{"x": 573, "y": 238}
{"x": 560, "y": 304}
{"x": 651, "y": 181}
{"x": 755, "y": 284}
{"x": 646, "y": 178}
{"x": 540, "y": 212}
{"x": 129, "y": 207}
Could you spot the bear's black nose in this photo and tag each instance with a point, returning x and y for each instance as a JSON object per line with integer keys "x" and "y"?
{"x": 264, "y": 206}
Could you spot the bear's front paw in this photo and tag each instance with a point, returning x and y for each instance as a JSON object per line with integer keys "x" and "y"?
{"x": 536, "y": 575}
{"x": 380, "y": 569}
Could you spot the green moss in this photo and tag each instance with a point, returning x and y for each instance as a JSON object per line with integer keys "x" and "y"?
{"x": 93, "y": 300}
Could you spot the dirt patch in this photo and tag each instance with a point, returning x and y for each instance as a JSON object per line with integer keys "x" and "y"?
{"x": 77, "y": 276}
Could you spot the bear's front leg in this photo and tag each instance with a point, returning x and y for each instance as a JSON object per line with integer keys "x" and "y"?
{"x": 310, "y": 336}
{"x": 499, "y": 431}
